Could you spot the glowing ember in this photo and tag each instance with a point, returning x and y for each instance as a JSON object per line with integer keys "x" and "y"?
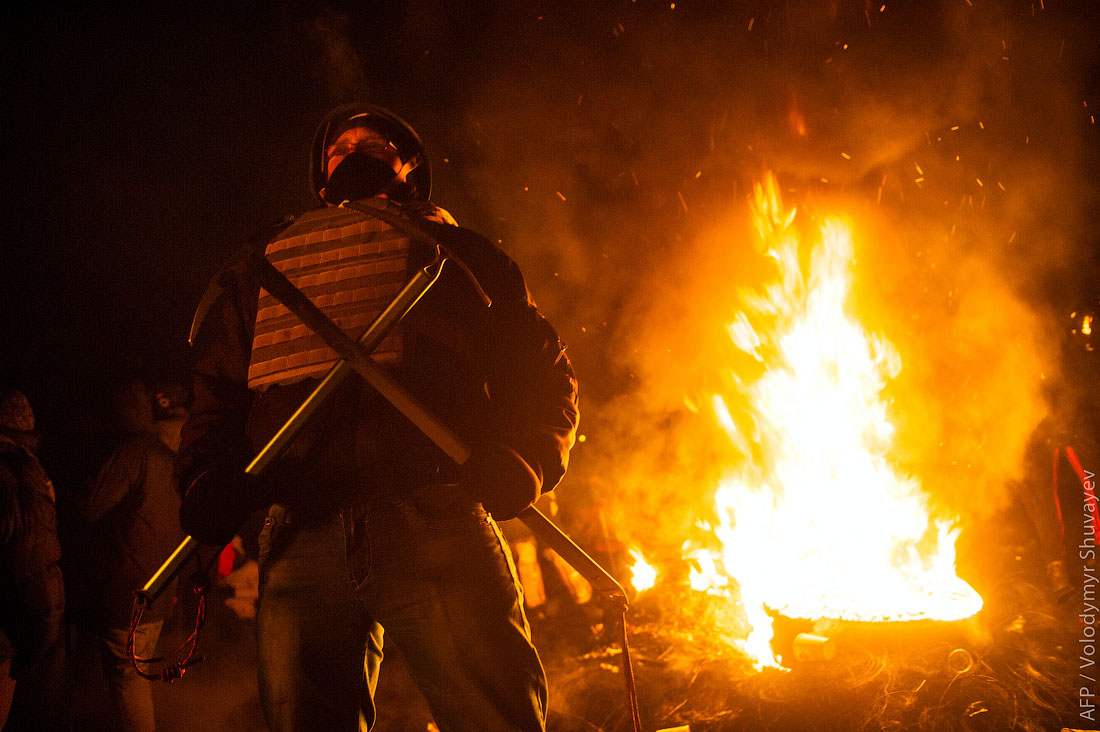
{"x": 816, "y": 522}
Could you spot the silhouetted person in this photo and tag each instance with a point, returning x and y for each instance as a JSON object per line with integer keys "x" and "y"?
{"x": 374, "y": 529}
{"x": 32, "y": 639}
{"x": 133, "y": 517}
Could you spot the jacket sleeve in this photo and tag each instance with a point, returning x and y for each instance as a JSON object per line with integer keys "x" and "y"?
{"x": 531, "y": 383}
{"x": 116, "y": 480}
{"x": 215, "y": 430}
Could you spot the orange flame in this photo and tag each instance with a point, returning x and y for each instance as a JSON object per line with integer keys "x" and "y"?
{"x": 817, "y": 523}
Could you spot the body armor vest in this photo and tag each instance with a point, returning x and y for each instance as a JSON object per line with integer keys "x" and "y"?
{"x": 351, "y": 266}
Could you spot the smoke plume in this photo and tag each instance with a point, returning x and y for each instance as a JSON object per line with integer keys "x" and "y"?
{"x": 612, "y": 152}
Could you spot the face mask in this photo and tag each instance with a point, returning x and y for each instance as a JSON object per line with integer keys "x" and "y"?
{"x": 357, "y": 176}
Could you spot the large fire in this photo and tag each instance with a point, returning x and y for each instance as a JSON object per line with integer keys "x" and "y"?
{"x": 813, "y": 519}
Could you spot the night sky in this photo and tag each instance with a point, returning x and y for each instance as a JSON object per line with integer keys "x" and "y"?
{"x": 143, "y": 143}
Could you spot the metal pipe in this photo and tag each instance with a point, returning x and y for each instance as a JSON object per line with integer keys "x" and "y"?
{"x": 600, "y": 579}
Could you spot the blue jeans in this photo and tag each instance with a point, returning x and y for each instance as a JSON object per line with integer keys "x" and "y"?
{"x": 430, "y": 568}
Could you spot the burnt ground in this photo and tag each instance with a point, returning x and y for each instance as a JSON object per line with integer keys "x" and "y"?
{"x": 1014, "y": 666}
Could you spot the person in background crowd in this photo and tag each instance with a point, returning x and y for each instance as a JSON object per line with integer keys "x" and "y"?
{"x": 132, "y": 514}
{"x": 32, "y": 638}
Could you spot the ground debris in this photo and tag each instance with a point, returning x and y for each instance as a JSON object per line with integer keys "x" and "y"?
{"x": 998, "y": 671}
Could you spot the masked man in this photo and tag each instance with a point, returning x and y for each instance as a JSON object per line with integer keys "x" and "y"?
{"x": 371, "y": 528}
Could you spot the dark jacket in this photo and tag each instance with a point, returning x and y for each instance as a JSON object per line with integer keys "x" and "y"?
{"x": 491, "y": 373}
{"x": 30, "y": 580}
{"x": 133, "y": 517}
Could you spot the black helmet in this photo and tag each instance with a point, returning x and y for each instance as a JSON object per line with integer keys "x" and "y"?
{"x": 399, "y": 132}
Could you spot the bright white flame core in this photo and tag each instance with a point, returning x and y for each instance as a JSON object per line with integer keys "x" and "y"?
{"x": 643, "y": 575}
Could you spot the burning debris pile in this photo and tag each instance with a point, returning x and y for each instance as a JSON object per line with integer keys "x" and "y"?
{"x": 918, "y": 676}
{"x": 816, "y": 522}
{"x": 821, "y": 581}
{"x": 811, "y": 518}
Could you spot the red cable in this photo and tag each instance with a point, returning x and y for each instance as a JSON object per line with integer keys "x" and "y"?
{"x": 1087, "y": 487}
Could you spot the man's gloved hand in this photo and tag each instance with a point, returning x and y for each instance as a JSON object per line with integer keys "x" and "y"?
{"x": 217, "y": 503}
{"x": 496, "y": 475}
